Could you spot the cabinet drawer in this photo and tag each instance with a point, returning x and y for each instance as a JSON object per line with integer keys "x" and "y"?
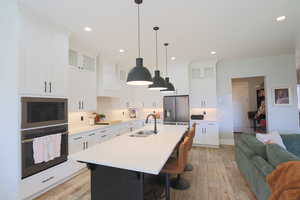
{"x": 43, "y": 180}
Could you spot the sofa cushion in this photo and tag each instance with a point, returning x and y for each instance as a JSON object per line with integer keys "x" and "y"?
{"x": 277, "y": 155}
{"x": 292, "y": 143}
{"x": 241, "y": 146}
{"x": 262, "y": 165}
{"x": 258, "y": 147}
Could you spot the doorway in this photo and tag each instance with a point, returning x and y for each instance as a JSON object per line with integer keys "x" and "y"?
{"x": 249, "y": 109}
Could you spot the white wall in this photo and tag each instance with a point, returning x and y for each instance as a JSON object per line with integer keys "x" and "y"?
{"x": 10, "y": 167}
{"x": 278, "y": 70}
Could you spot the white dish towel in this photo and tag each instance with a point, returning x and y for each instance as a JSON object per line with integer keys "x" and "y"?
{"x": 46, "y": 148}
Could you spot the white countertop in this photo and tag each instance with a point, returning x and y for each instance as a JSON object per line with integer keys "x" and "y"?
{"x": 142, "y": 154}
{"x": 80, "y": 128}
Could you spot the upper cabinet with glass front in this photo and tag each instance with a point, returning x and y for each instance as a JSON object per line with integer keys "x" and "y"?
{"x": 81, "y": 61}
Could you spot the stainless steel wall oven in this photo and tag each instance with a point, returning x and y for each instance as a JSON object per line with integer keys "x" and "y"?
{"x": 37, "y": 112}
{"x": 43, "y": 118}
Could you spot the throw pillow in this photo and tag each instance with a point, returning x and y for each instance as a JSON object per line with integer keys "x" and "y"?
{"x": 271, "y": 138}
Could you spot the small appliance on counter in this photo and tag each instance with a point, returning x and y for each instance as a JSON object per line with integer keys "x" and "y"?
{"x": 197, "y": 117}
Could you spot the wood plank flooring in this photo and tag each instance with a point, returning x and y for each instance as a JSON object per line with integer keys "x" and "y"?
{"x": 215, "y": 177}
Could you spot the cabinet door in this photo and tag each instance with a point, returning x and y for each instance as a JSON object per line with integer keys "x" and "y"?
{"x": 199, "y": 135}
{"x": 212, "y": 133}
{"x": 88, "y": 90}
{"x": 35, "y": 55}
{"x": 91, "y": 139}
{"x": 76, "y": 144}
{"x": 74, "y": 89}
{"x": 59, "y": 64}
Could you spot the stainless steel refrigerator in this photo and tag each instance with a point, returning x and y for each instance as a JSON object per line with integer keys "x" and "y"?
{"x": 176, "y": 109}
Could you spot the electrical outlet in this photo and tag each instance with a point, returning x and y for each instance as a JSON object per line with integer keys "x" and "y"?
{"x": 81, "y": 118}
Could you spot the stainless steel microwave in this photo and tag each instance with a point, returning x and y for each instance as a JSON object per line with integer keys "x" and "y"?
{"x": 39, "y": 112}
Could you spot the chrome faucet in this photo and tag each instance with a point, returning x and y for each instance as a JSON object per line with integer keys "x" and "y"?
{"x": 155, "y": 123}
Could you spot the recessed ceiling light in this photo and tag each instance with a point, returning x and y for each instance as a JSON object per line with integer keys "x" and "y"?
{"x": 213, "y": 52}
{"x": 122, "y": 50}
{"x": 281, "y": 18}
{"x": 88, "y": 29}
{"x": 173, "y": 58}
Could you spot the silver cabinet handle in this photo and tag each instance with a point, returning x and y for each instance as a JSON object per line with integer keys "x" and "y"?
{"x": 78, "y": 138}
{"x": 79, "y": 105}
{"x": 83, "y": 145}
{"x": 103, "y": 131}
{"x": 45, "y": 86}
{"x": 91, "y": 134}
{"x": 103, "y": 136}
{"x": 50, "y": 87}
{"x": 48, "y": 179}
{"x": 82, "y": 107}
{"x": 87, "y": 145}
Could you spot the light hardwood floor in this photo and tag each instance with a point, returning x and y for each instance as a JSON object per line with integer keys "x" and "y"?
{"x": 215, "y": 177}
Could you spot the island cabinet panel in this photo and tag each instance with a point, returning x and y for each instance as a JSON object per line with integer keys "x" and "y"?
{"x": 117, "y": 184}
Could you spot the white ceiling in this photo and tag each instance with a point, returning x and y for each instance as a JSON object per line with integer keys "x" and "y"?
{"x": 232, "y": 28}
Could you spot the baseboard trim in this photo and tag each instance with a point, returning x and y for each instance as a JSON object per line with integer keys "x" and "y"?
{"x": 227, "y": 141}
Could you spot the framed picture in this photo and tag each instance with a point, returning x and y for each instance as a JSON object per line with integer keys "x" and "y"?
{"x": 282, "y": 96}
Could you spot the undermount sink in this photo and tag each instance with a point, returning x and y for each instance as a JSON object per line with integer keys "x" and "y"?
{"x": 142, "y": 134}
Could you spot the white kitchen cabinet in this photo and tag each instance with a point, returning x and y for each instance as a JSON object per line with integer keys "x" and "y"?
{"x": 207, "y": 133}
{"x": 203, "y": 89}
{"x": 77, "y": 143}
{"x": 82, "y": 61}
{"x": 44, "y": 55}
{"x": 81, "y": 90}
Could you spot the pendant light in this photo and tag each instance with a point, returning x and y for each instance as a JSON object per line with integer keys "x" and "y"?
{"x": 139, "y": 75}
{"x": 158, "y": 82}
{"x": 170, "y": 87}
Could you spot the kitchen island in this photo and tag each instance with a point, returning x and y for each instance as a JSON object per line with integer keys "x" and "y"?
{"x": 118, "y": 165}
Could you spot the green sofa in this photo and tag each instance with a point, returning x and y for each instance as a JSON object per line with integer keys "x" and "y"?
{"x": 256, "y": 160}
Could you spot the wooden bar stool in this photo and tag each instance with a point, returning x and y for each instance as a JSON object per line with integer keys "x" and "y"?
{"x": 176, "y": 166}
{"x": 189, "y": 167}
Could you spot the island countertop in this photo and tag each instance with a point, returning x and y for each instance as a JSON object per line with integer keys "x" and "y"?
{"x": 141, "y": 154}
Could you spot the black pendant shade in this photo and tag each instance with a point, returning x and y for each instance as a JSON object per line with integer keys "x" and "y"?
{"x": 158, "y": 82}
{"x": 139, "y": 75}
{"x": 170, "y": 86}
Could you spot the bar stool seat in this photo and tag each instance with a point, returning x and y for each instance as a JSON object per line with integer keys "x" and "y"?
{"x": 176, "y": 166}
{"x": 189, "y": 167}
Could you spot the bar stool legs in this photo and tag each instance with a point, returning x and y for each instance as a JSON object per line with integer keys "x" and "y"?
{"x": 167, "y": 186}
{"x": 188, "y": 168}
{"x": 179, "y": 183}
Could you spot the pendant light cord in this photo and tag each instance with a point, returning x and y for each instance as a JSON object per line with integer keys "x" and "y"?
{"x": 166, "y": 59}
{"x": 156, "y": 52}
{"x": 139, "y": 32}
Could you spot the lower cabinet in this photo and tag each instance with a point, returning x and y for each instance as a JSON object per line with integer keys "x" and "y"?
{"x": 207, "y": 133}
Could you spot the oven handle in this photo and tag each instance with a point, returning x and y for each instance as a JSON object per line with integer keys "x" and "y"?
{"x": 30, "y": 140}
